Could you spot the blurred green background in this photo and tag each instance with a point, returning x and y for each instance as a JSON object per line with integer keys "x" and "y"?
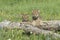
{"x": 11, "y": 9}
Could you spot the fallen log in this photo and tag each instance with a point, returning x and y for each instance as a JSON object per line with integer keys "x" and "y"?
{"x": 30, "y": 28}
{"x": 47, "y": 25}
{"x": 51, "y": 25}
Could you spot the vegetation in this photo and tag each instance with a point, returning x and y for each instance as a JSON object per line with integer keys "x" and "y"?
{"x": 11, "y": 10}
{"x": 16, "y": 34}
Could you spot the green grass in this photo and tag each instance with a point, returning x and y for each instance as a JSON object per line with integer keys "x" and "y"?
{"x": 16, "y": 34}
{"x": 11, "y": 9}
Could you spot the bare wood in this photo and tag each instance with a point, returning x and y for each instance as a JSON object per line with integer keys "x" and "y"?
{"x": 36, "y": 30}
{"x": 54, "y": 24}
{"x": 47, "y": 25}
{"x": 30, "y": 28}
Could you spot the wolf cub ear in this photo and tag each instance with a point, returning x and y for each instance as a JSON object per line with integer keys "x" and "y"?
{"x": 39, "y": 11}
{"x": 36, "y": 10}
